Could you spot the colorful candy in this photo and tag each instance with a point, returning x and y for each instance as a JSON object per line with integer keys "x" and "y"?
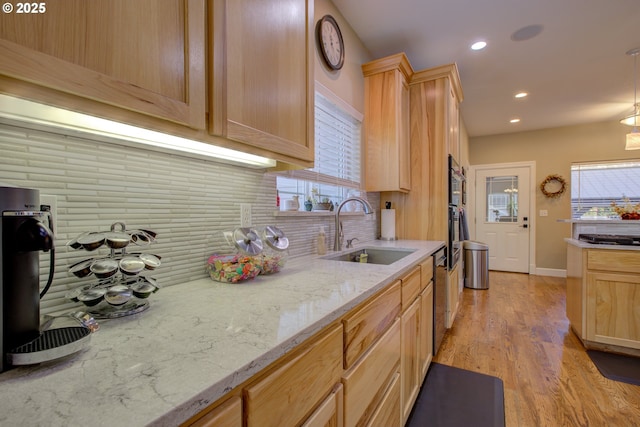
{"x": 232, "y": 268}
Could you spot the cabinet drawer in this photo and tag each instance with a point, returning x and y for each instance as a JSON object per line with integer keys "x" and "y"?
{"x": 426, "y": 272}
{"x": 366, "y": 382}
{"x": 367, "y": 324}
{"x": 410, "y": 287}
{"x": 612, "y": 260}
{"x": 296, "y": 387}
{"x": 330, "y": 412}
{"x": 388, "y": 412}
{"x": 229, "y": 414}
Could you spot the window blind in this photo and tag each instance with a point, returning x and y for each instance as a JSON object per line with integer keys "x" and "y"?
{"x": 337, "y": 154}
{"x": 595, "y": 185}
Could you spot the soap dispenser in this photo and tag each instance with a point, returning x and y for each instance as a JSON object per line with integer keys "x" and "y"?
{"x": 322, "y": 242}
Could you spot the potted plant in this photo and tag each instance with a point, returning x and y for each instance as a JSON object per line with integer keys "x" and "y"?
{"x": 324, "y": 205}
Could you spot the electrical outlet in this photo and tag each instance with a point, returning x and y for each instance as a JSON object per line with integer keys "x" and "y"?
{"x": 245, "y": 214}
{"x": 544, "y": 212}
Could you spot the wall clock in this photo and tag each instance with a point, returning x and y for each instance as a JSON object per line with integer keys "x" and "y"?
{"x": 330, "y": 42}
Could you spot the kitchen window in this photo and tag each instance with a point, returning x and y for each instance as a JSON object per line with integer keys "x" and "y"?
{"x": 594, "y": 186}
{"x": 336, "y": 173}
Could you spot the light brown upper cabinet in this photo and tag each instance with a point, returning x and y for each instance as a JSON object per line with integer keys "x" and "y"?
{"x": 386, "y": 124}
{"x": 146, "y": 56}
{"x": 434, "y": 121}
{"x": 453, "y": 119}
{"x": 261, "y": 61}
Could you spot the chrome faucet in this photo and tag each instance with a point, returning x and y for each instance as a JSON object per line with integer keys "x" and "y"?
{"x": 337, "y": 242}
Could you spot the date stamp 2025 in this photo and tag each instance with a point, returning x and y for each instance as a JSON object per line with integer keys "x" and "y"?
{"x": 24, "y": 8}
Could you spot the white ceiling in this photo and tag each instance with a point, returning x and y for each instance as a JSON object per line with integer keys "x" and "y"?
{"x": 576, "y": 70}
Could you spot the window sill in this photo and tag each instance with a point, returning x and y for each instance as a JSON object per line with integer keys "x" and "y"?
{"x": 315, "y": 213}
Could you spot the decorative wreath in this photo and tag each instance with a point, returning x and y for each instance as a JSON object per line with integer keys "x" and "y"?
{"x": 551, "y": 178}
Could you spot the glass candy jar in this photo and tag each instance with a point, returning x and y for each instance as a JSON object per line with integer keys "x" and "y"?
{"x": 244, "y": 264}
{"x": 275, "y": 251}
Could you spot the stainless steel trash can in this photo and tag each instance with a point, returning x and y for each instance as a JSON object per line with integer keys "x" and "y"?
{"x": 476, "y": 265}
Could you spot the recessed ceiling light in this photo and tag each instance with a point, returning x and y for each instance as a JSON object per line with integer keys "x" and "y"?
{"x": 521, "y": 95}
{"x": 478, "y": 45}
{"x": 516, "y": 120}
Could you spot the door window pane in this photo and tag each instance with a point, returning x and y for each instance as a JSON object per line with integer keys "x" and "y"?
{"x": 502, "y": 199}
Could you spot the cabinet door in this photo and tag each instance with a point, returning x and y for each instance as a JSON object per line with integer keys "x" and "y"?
{"x": 453, "y": 122}
{"x": 452, "y": 297}
{"x": 229, "y": 414}
{"x": 145, "y": 55}
{"x": 612, "y": 309}
{"x": 386, "y": 124}
{"x": 425, "y": 342}
{"x": 576, "y": 289}
{"x": 409, "y": 361}
{"x": 329, "y": 413}
{"x": 366, "y": 382}
{"x": 297, "y": 386}
{"x": 262, "y": 92}
{"x": 387, "y": 413}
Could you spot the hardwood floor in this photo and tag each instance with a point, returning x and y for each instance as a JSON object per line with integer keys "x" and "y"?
{"x": 517, "y": 330}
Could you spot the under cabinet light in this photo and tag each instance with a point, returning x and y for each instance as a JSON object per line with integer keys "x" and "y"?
{"x": 35, "y": 113}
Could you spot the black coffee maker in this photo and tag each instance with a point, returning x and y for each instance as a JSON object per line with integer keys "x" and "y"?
{"x": 25, "y": 231}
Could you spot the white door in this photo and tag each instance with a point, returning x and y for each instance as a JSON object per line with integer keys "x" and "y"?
{"x": 502, "y": 216}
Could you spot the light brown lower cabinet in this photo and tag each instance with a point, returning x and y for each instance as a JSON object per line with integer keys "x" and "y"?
{"x": 425, "y": 352}
{"x": 298, "y": 386}
{"x": 387, "y": 412}
{"x": 366, "y": 382}
{"x": 409, "y": 361}
{"x": 603, "y": 296}
{"x": 330, "y": 413}
{"x": 229, "y": 414}
{"x": 366, "y": 324}
{"x": 365, "y": 371}
{"x": 613, "y": 308}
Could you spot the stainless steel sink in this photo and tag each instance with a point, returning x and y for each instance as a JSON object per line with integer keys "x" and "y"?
{"x": 374, "y": 255}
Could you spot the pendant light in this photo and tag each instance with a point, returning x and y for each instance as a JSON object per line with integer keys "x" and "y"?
{"x": 633, "y": 138}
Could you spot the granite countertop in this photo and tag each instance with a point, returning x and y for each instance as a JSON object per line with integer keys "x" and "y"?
{"x": 196, "y": 342}
{"x": 586, "y": 245}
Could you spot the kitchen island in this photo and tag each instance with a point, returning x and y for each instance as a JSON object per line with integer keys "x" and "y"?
{"x": 196, "y": 343}
{"x": 603, "y": 295}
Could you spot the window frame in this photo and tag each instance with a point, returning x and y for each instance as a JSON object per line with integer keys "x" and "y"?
{"x": 301, "y": 182}
{"x": 600, "y": 207}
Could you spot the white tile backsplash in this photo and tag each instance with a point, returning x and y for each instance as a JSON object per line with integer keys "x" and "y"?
{"x": 188, "y": 202}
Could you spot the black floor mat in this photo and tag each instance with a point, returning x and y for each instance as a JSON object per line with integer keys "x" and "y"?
{"x": 616, "y": 367}
{"x": 453, "y": 397}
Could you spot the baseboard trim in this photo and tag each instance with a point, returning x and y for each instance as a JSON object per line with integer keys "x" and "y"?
{"x": 553, "y": 272}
